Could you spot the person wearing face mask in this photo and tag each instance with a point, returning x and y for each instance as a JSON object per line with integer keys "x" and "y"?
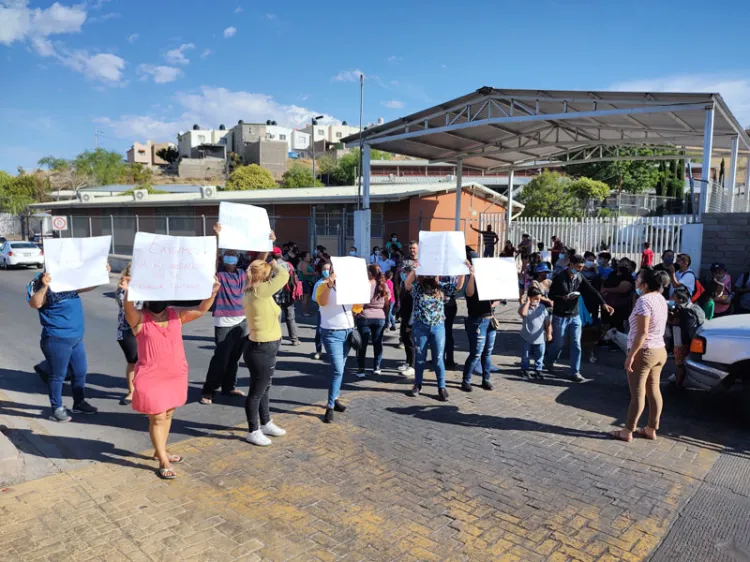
{"x": 393, "y": 243}
{"x": 324, "y": 271}
{"x": 406, "y": 307}
{"x": 230, "y": 328}
{"x": 385, "y": 263}
{"x": 374, "y": 255}
{"x": 161, "y": 374}
{"x": 603, "y": 264}
{"x": 667, "y": 260}
{"x": 591, "y": 273}
{"x": 686, "y": 317}
{"x": 722, "y": 299}
{"x": 619, "y": 293}
{"x": 306, "y": 273}
{"x": 566, "y": 289}
{"x": 681, "y": 274}
{"x": 647, "y": 355}
{"x": 264, "y": 280}
{"x": 353, "y": 251}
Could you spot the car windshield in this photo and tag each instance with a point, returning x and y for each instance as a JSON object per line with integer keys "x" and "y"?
{"x": 24, "y": 246}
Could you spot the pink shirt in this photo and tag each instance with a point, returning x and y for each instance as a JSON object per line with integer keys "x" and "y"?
{"x": 720, "y": 308}
{"x": 653, "y": 306}
{"x": 389, "y": 284}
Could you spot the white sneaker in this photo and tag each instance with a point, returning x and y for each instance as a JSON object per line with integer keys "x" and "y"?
{"x": 361, "y": 374}
{"x": 408, "y": 372}
{"x": 403, "y": 367}
{"x": 272, "y": 429}
{"x": 316, "y": 356}
{"x": 257, "y": 438}
{"x": 377, "y": 372}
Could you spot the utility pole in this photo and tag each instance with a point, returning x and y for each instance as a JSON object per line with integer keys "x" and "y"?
{"x": 313, "y": 123}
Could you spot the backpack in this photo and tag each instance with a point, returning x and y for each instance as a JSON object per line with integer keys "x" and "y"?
{"x": 291, "y": 292}
{"x": 699, "y": 290}
{"x": 692, "y": 317}
{"x": 295, "y": 285}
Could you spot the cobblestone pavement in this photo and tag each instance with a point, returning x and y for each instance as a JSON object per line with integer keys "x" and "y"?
{"x": 521, "y": 473}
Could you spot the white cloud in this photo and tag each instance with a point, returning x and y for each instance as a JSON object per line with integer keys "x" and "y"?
{"x": 102, "y": 67}
{"x": 159, "y": 74}
{"x": 133, "y": 38}
{"x": 348, "y": 76}
{"x": 210, "y": 107}
{"x": 394, "y": 58}
{"x": 19, "y": 22}
{"x": 272, "y": 17}
{"x": 394, "y": 104}
{"x": 734, "y": 89}
{"x": 177, "y": 56}
{"x": 206, "y": 53}
{"x": 229, "y": 32}
{"x": 238, "y": 10}
{"x": 105, "y": 17}
{"x": 443, "y": 66}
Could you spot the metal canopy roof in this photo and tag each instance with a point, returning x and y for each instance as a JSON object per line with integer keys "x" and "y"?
{"x": 514, "y": 129}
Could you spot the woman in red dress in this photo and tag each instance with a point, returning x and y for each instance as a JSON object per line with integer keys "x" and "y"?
{"x": 161, "y": 374}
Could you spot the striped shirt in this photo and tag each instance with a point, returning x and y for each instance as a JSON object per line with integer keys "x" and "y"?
{"x": 654, "y": 307}
{"x": 489, "y": 237}
{"x": 228, "y": 302}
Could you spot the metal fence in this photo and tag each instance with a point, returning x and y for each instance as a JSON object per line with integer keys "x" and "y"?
{"x": 720, "y": 200}
{"x": 623, "y": 236}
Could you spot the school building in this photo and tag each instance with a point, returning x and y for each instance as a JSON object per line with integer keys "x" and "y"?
{"x": 308, "y": 216}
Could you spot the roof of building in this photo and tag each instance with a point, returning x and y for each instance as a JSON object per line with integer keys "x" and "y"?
{"x": 383, "y": 193}
{"x": 496, "y": 128}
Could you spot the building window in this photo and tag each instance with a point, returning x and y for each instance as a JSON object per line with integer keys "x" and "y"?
{"x": 282, "y": 137}
{"x": 321, "y": 132}
{"x": 269, "y": 136}
{"x": 338, "y": 135}
{"x": 201, "y": 138}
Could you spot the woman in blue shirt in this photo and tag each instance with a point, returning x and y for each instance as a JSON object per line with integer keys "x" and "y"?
{"x": 61, "y": 316}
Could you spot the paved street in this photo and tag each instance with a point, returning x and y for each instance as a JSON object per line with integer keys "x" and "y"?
{"x": 521, "y": 473}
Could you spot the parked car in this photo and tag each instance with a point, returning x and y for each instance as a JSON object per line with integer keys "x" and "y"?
{"x": 720, "y": 352}
{"x": 14, "y": 254}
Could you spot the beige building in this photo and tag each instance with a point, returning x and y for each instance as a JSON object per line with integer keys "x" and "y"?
{"x": 330, "y": 133}
{"x": 146, "y": 153}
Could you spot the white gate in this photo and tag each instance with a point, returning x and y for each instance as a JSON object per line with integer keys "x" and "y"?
{"x": 622, "y": 237}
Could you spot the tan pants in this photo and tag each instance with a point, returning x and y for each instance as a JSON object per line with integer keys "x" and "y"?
{"x": 644, "y": 383}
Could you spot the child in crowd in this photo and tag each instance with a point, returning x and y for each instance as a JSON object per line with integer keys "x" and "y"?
{"x": 536, "y": 330}
{"x": 391, "y": 320}
{"x": 714, "y": 292}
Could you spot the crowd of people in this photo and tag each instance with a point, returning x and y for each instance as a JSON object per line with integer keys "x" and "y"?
{"x": 563, "y": 295}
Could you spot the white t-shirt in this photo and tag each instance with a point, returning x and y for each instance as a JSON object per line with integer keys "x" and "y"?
{"x": 385, "y": 265}
{"x": 686, "y": 278}
{"x": 334, "y": 316}
{"x": 227, "y": 321}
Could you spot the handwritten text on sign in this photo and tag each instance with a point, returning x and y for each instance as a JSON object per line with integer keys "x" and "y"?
{"x": 442, "y": 253}
{"x": 244, "y": 227}
{"x": 496, "y": 278}
{"x": 172, "y": 268}
{"x": 77, "y": 263}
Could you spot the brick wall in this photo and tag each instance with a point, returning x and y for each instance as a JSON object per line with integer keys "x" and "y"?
{"x": 726, "y": 239}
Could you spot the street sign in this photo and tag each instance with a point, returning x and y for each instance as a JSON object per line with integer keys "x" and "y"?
{"x": 60, "y": 223}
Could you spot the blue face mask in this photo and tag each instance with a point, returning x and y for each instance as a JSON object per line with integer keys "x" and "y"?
{"x": 639, "y": 292}
{"x": 352, "y": 253}
{"x": 325, "y": 273}
{"x": 231, "y": 260}
{"x": 403, "y": 277}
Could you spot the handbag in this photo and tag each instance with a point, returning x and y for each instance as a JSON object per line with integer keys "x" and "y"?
{"x": 354, "y": 339}
{"x": 494, "y": 323}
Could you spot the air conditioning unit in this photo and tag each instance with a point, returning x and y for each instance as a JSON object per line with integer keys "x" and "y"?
{"x": 208, "y": 191}
{"x": 140, "y": 194}
{"x": 85, "y": 197}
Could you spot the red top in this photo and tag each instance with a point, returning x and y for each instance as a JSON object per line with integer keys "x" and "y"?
{"x": 647, "y": 257}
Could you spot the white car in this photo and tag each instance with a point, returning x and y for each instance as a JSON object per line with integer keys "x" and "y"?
{"x": 14, "y": 254}
{"x": 720, "y": 349}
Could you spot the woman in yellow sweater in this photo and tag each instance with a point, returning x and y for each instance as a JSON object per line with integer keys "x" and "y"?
{"x": 264, "y": 280}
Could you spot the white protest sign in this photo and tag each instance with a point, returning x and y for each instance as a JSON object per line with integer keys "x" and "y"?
{"x": 496, "y": 278}
{"x": 77, "y": 263}
{"x": 546, "y": 256}
{"x": 244, "y": 227}
{"x": 352, "y": 283}
{"x": 442, "y": 253}
{"x": 172, "y": 268}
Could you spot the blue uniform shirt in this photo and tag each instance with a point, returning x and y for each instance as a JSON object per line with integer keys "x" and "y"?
{"x": 62, "y": 313}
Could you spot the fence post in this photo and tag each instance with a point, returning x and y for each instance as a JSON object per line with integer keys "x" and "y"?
{"x": 91, "y": 228}
{"x": 203, "y": 219}
{"x": 166, "y": 222}
{"x": 112, "y": 230}
{"x": 137, "y": 224}
{"x": 70, "y": 222}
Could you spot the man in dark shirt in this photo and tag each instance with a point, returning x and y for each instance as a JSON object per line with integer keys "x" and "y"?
{"x": 406, "y": 305}
{"x": 567, "y": 287}
{"x": 489, "y": 239}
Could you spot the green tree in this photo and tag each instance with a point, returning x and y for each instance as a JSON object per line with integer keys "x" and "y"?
{"x": 16, "y": 192}
{"x": 635, "y": 176}
{"x": 250, "y": 177}
{"x": 299, "y": 176}
{"x": 586, "y": 189}
{"x": 547, "y": 196}
{"x": 169, "y": 154}
{"x": 149, "y": 188}
{"x": 661, "y": 184}
{"x": 137, "y": 174}
{"x": 103, "y": 166}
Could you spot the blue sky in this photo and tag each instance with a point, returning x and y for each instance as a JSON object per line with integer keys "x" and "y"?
{"x": 136, "y": 69}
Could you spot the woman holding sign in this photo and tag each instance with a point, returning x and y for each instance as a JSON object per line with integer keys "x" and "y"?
{"x": 371, "y": 321}
{"x": 481, "y": 332}
{"x": 428, "y": 328}
{"x": 264, "y": 280}
{"x": 161, "y": 374}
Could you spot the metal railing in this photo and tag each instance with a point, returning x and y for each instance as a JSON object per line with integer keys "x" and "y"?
{"x": 720, "y": 200}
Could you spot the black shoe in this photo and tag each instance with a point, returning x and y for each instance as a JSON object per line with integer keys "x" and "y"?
{"x": 487, "y": 385}
{"x": 44, "y": 375}
{"x": 84, "y": 407}
{"x": 577, "y": 378}
{"x": 442, "y": 394}
{"x": 550, "y": 369}
{"x": 452, "y": 366}
{"x": 538, "y": 375}
{"x": 525, "y": 374}
{"x": 339, "y": 406}
{"x": 415, "y": 390}
{"x": 466, "y": 386}
{"x": 329, "y": 415}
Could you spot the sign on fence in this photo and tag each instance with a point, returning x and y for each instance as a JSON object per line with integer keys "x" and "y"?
{"x": 60, "y": 223}
{"x": 496, "y": 278}
{"x": 442, "y": 253}
{"x": 244, "y": 227}
{"x": 172, "y": 268}
{"x": 352, "y": 283}
{"x": 76, "y": 263}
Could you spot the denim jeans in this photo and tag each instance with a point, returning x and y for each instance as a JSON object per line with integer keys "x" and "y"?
{"x": 61, "y": 353}
{"x": 434, "y": 336}
{"x": 451, "y": 309}
{"x": 481, "y": 344}
{"x": 561, "y": 326}
{"x": 260, "y": 358}
{"x": 489, "y": 251}
{"x": 318, "y": 341}
{"x": 370, "y": 328}
{"x": 337, "y": 347}
{"x": 534, "y": 351}
{"x": 391, "y": 317}
{"x": 222, "y": 370}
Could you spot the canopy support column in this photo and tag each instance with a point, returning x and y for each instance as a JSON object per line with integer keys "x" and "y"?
{"x": 733, "y": 171}
{"x": 747, "y": 179}
{"x": 366, "y": 176}
{"x": 708, "y": 141}
{"x": 459, "y": 182}
{"x": 509, "y": 210}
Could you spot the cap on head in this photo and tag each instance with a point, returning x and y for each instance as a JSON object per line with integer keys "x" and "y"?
{"x": 718, "y": 267}
{"x": 276, "y": 252}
